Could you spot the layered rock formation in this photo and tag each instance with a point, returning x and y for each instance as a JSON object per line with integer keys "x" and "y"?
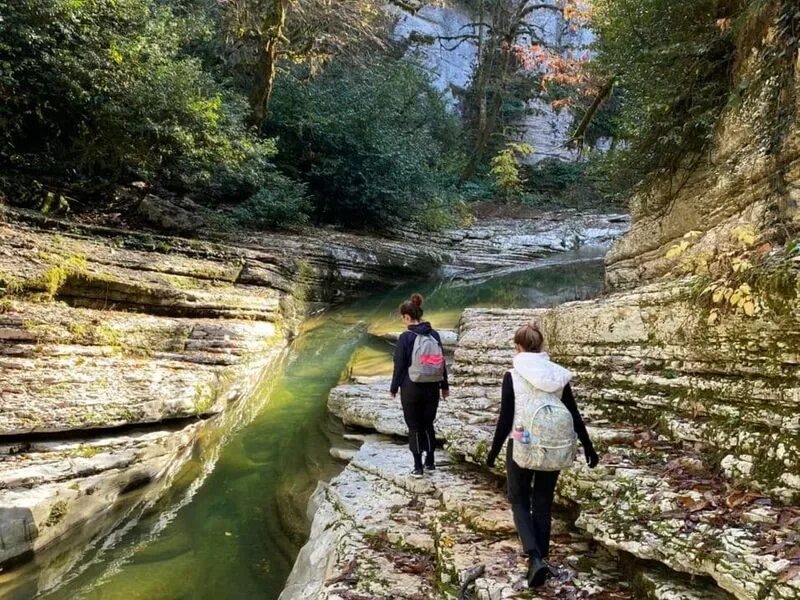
{"x": 659, "y": 493}
{"x": 124, "y": 353}
{"x": 687, "y": 370}
{"x": 655, "y": 496}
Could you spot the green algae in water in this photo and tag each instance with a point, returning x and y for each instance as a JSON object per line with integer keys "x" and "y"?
{"x": 239, "y": 534}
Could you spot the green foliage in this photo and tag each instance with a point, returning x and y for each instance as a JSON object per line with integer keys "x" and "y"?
{"x": 673, "y": 60}
{"x": 553, "y": 175}
{"x": 282, "y": 204}
{"x": 477, "y": 190}
{"x": 505, "y": 169}
{"x": 441, "y": 213}
{"x": 100, "y": 93}
{"x": 59, "y": 271}
{"x": 57, "y": 513}
{"x": 375, "y": 145}
{"x": 104, "y": 88}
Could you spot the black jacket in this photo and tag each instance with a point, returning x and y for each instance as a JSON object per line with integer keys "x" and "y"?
{"x": 403, "y": 351}
{"x": 506, "y": 419}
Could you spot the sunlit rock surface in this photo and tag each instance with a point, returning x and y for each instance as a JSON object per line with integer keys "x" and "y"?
{"x": 654, "y": 497}
{"x": 379, "y": 533}
{"x": 106, "y": 334}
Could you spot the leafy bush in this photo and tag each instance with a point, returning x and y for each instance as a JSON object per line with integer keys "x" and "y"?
{"x": 441, "y": 213}
{"x": 553, "y": 175}
{"x": 505, "y": 169}
{"x": 103, "y": 88}
{"x": 477, "y": 190}
{"x": 375, "y": 145}
{"x": 281, "y": 204}
{"x": 573, "y": 184}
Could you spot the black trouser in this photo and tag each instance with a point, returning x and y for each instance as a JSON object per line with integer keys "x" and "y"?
{"x": 531, "y": 495}
{"x": 420, "y": 402}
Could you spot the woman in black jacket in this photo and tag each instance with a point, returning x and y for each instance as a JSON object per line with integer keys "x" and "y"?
{"x": 530, "y": 491}
{"x": 420, "y": 400}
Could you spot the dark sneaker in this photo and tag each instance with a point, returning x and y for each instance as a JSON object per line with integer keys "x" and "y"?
{"x": 538, "y": 572}
{"x": 430, "y": 467}
{"x": 417, "y": 473}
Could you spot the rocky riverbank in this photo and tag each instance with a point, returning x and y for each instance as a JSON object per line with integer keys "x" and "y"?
{"x": 379, "y": 533}
{"x": 687, "y": 372}
{"x": 123, "y": 353}
{"x": 657, "y": 496}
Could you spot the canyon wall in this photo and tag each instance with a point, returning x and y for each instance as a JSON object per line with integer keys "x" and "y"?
{"x": 687, "y": 371}
{"x": 125, "y": 354}
{"x": 432, "y": 35}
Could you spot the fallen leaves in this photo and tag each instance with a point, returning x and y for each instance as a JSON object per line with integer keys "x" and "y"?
{"x": 696, "y": 502}
{"x": 348, "y": 574}
{"x": 740, "y": 498}
{"x": 789, "y": 574}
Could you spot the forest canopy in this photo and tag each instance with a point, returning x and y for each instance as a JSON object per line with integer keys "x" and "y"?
{"x": 282, "y": 112}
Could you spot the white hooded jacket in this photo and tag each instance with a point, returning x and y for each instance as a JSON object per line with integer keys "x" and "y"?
{"x": 543, "y": 374}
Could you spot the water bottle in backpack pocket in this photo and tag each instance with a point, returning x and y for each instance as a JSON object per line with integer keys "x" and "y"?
{"x": 545, "y": 432}
{"x": 427, "y": 360}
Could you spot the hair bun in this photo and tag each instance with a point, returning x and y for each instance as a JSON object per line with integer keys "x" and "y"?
{"x": 416, "y": 299}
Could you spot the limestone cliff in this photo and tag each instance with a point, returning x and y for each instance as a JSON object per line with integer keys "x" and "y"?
{"x": 441, "y": 38}
{"x": 746, "y": 192}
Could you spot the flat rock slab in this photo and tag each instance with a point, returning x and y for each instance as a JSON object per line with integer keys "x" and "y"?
{"x": 379, "y": 533}
{"x": 76, "y": 369}
{"x": 51, "y": 489}
{"x": 369, "y": 405}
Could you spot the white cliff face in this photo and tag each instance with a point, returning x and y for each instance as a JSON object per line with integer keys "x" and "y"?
{"x": 451, "y": 64}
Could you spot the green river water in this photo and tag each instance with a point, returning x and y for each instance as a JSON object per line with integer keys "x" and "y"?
{"x": 233, "y": 522}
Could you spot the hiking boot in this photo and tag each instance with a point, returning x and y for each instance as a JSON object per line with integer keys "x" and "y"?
{"x": 538, "y": 572}
{"x": 554, "y": 572}
{"x": 417, "y": 472}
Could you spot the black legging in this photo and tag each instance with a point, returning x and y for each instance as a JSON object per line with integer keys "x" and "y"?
{"x": 531, "y": 496}
{"x": 420, "y": 402}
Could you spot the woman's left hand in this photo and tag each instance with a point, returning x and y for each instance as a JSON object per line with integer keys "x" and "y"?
{"x": 445, "y": 394}
{"x": 591, "y": 457}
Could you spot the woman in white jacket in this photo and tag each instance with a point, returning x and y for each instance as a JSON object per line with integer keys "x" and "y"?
{"x": 537, "y": 382}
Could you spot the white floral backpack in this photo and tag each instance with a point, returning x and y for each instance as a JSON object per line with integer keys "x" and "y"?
{"x": 544, "y": 432}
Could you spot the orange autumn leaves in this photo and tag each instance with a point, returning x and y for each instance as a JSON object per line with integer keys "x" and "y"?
{"x": 561, "y": 67}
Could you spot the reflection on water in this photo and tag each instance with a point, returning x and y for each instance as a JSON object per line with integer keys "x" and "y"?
{"x": 237, "y": 534}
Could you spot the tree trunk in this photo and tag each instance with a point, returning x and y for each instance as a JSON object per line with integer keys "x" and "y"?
{"x": 265, "y": 68}
{"x": 603, "y": 93}
{"x": 505, "y": 28}
{"x": 488, "y": 122}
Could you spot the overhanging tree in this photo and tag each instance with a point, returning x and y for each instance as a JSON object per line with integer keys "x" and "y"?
{"x": 262, "y": 32}
{"x": 509, "y": 43}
